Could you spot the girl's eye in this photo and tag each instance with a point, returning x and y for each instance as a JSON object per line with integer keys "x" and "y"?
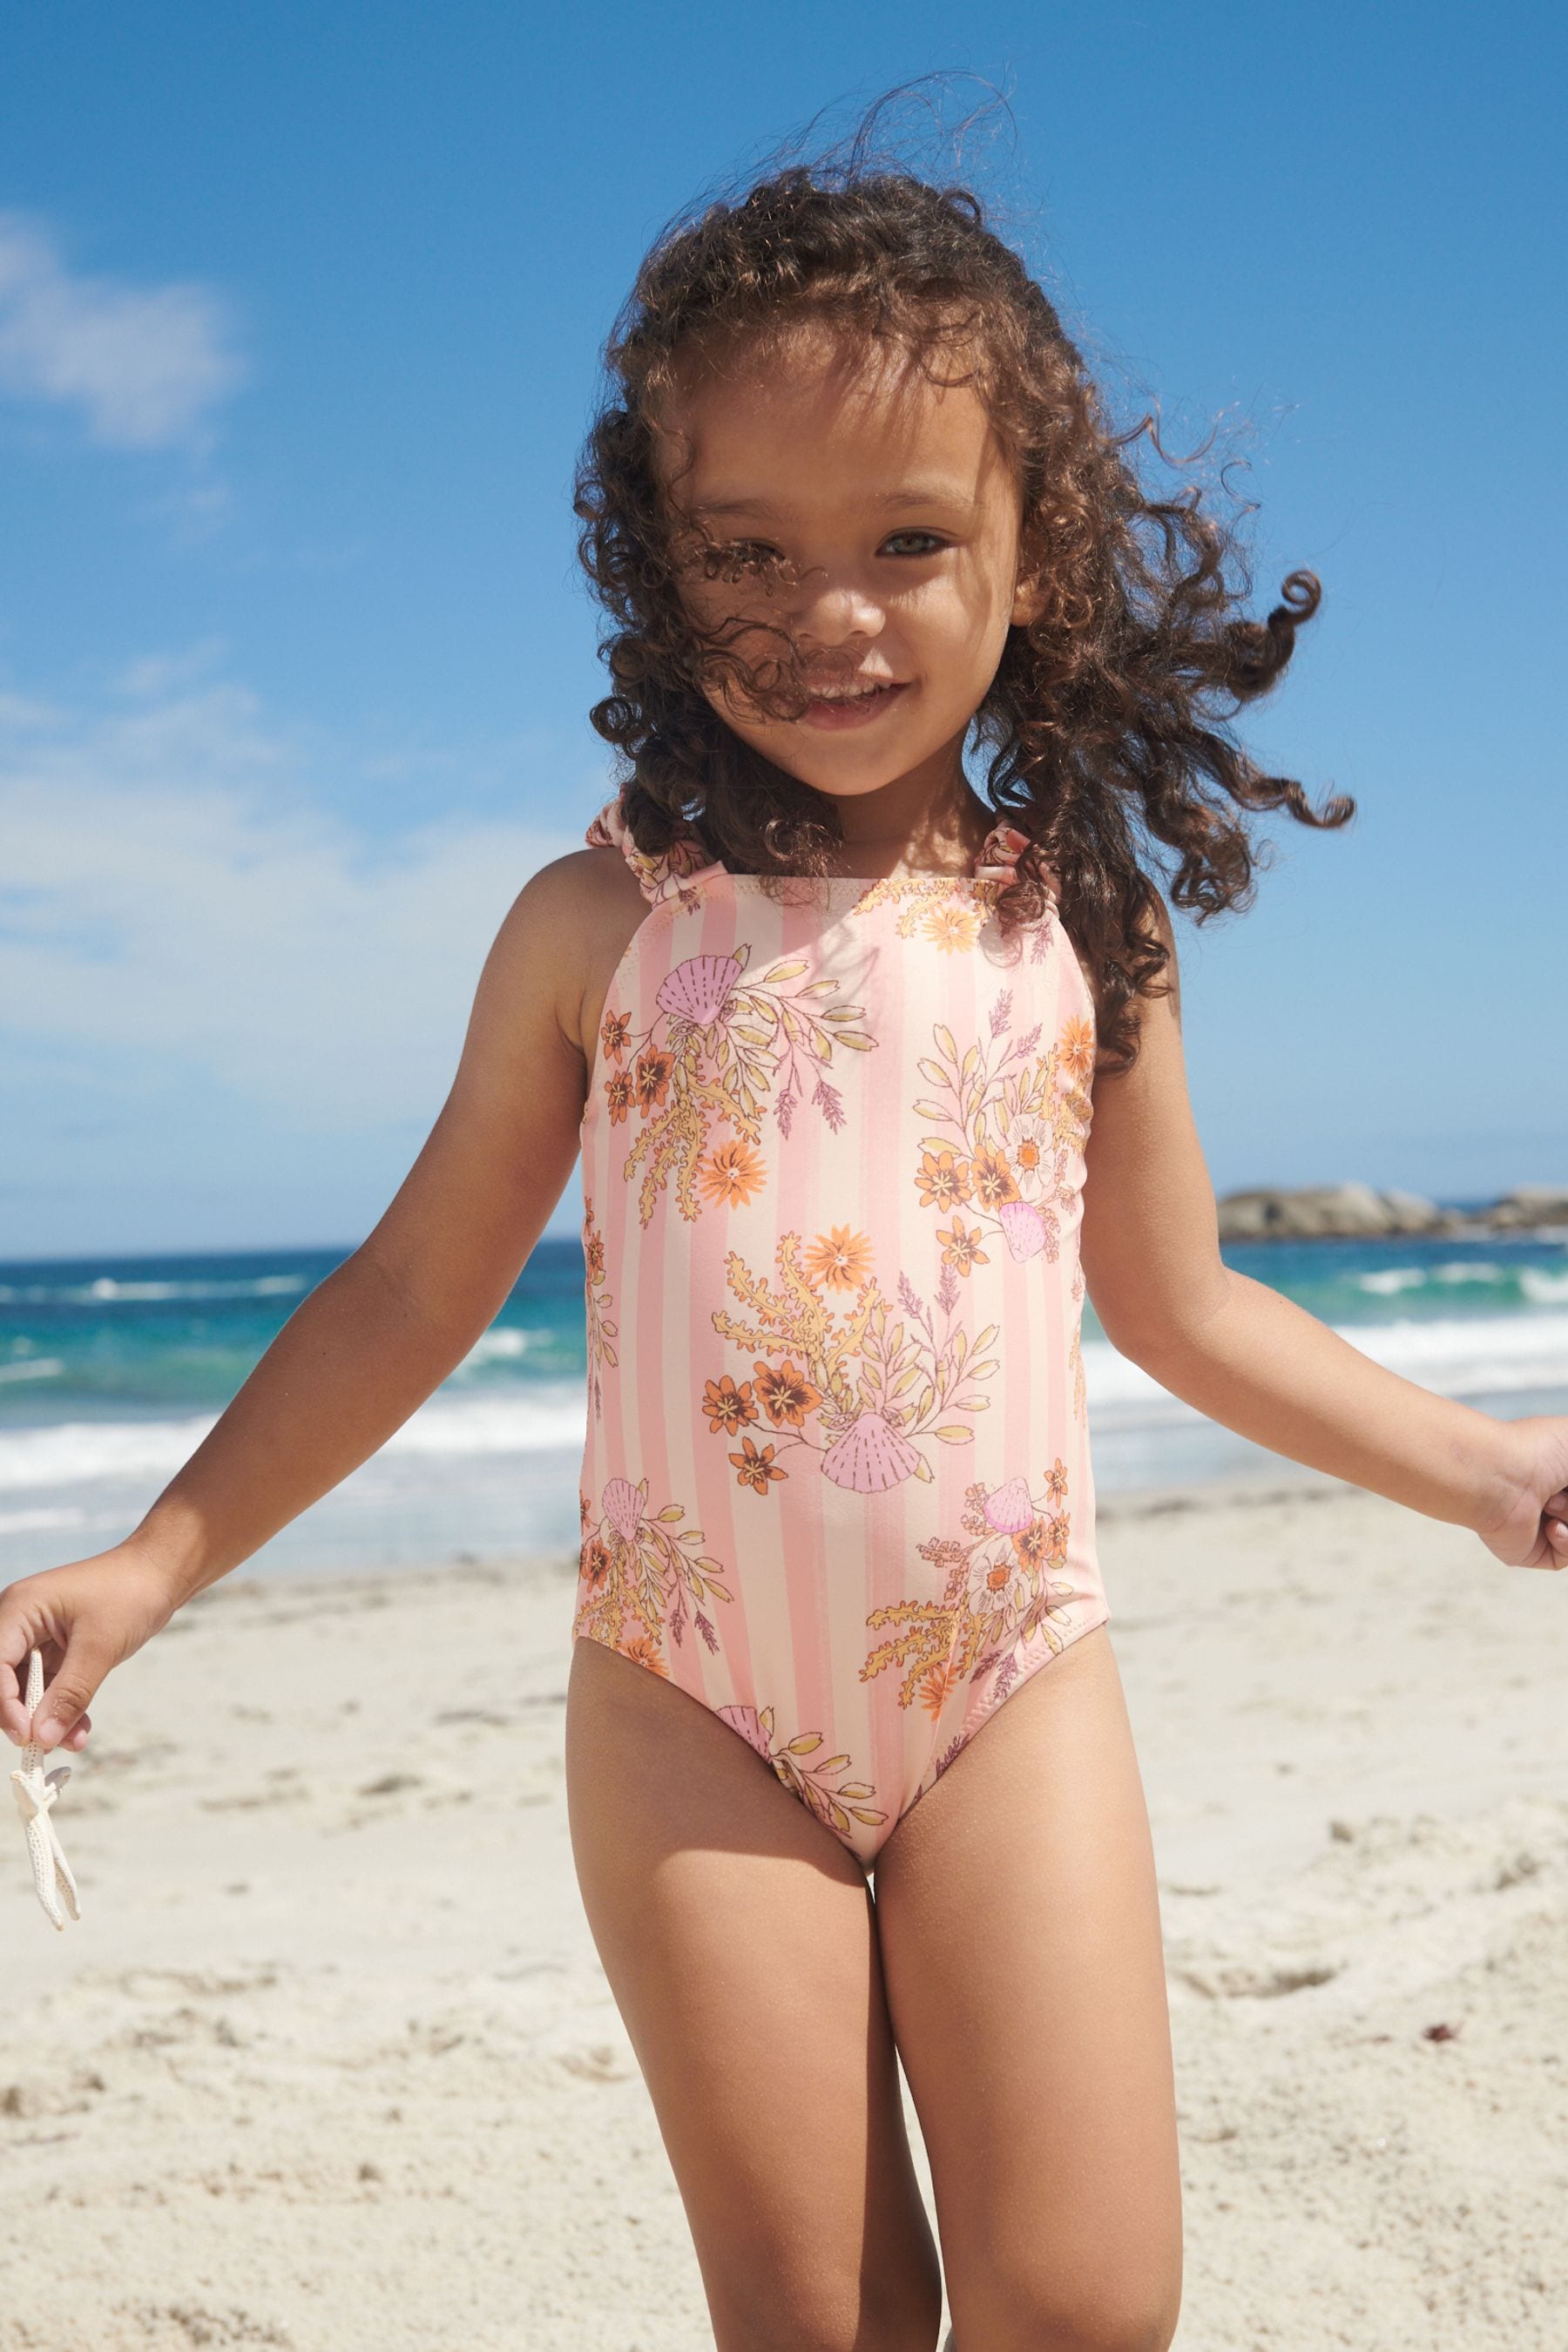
{"x": 733, "y": 559}
{"x": 740, "y": 559}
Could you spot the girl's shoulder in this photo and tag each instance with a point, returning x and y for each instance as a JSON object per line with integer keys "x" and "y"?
{"x": 570, "y": 904}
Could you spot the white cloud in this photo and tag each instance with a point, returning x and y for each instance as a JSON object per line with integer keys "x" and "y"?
{"x": 144, "y": 364}
{"x": 172, "y": 895}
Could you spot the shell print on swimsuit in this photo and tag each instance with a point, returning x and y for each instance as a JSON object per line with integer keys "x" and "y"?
{"x": 836, "y": 1479}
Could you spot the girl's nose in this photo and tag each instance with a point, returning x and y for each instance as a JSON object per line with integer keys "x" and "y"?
{"x": 835, "y": 606}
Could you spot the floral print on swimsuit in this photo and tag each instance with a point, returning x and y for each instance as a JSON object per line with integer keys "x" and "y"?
{"x": 1013, "y": 1123}
{"x": 833, "y": 1155}
{"x": 873, "y": 1386}
{"x": 1004, "y": 1590}
{"x": 719, "y": 1050}
{"x": 639, "y": 1581}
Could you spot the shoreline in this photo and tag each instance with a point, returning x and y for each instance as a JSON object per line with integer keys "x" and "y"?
{"x": 1522, "y": 1211}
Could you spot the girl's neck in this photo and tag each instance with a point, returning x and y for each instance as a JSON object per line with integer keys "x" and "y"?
{"x": 923, "y": 823}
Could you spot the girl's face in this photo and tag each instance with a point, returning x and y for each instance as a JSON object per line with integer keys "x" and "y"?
{"x": 873, "y": 516}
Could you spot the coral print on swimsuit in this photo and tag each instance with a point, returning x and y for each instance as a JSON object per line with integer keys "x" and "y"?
{"x": 999, "y": 1596}
{"x": 856, "y": 1393}
{"x": 718, "y": 1045}
{"x": 638, "y": 1578}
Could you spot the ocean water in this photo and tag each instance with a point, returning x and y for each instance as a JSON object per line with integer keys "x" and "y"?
{"x": 112, "y": 1369}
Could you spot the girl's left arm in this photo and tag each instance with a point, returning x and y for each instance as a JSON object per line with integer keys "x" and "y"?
{"x": 1252, "y": 1360}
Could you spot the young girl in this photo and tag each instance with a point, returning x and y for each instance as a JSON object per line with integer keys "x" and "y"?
{"x": 825, "y": 1021}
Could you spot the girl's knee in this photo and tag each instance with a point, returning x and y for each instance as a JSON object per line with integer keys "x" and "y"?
{"x": 809, "y": 2307}
{"x": 1045, "y": 2314}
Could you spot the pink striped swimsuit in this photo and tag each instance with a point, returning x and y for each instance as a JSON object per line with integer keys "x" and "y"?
{"x": 836, "y": 1480}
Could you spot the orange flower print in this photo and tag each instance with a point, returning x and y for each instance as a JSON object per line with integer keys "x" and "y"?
{"x": 1031, "y": 1544}
{"x": 652, "y": 1080}
{"x": 962, "y": 1246}
{"x": 950, "y": 910}
{"x": 839, "y": 1260}
{"x": 644, "y": 1652}
{"x": 1077, "y": 1050}
{"x": 595, "y": 1562}
{"x": 732, "y": 1175}
{"x": 613, "y": 1031}
{"x": 953, "y": 924}
{"x": 729, "y": 1408}
{"x": 754, "y": 1469}
{"x": 786, "y": 1394}
{"x": 1057, "y": 1481}
{"x": 594, "y": 1257}
{"x": 943, "y": 1181}
{"x": 618, "y": 1095}
{"x": 992, "y": 1180}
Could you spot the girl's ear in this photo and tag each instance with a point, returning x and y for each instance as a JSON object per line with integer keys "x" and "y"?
{"x": 1028, "y": 600}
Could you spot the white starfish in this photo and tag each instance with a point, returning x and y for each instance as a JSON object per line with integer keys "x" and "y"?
{"x": 35, "y": 1793}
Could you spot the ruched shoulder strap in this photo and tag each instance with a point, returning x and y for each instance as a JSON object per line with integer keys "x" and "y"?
{"x": 662, "y": 876}
{"x": 999, "y": 853}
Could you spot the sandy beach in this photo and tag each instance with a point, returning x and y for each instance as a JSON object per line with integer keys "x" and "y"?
{"x": 330, "y": 2065}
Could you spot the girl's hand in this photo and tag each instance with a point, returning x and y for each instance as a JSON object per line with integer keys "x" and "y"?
{"x": 1533, "y": 1531}
{"x": 85, "y": 1619}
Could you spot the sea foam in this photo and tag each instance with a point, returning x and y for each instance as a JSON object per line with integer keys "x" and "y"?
{"x": 1483, "y": 1356}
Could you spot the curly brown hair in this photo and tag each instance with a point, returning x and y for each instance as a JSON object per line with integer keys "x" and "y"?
{"x": 1106, "y": 730}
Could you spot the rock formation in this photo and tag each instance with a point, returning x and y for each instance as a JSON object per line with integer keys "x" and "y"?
{"x": 1351, "y": 1212}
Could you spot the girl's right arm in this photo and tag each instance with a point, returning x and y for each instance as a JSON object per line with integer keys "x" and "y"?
{"x": 370, "y": 1343}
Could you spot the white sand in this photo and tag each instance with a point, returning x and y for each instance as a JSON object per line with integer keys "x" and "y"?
{"x": 329, "y": 2063}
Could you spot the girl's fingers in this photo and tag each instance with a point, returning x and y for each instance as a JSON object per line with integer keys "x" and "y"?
{"x": 17, "y": 1723}
{"x": 15, "y": 1643}
{"x": 13, "y": 1710}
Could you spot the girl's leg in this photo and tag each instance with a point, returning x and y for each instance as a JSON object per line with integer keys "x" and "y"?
{"x": 1021, "y": 1951}
{"x": 737, "y": 1937}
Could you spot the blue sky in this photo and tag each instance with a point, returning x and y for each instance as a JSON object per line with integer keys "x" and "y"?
{"x": 299, "y": 312}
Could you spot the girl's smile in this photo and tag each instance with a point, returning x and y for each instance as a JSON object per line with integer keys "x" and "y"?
{"x": 838, "y": 708}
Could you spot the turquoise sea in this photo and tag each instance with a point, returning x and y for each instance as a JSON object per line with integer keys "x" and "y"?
{"x": 112, "y": 1368}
